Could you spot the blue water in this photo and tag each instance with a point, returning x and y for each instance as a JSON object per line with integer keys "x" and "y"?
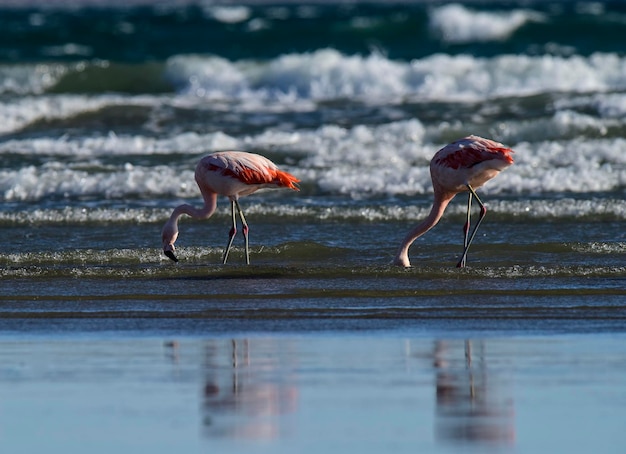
{"x": 371, "y": 393}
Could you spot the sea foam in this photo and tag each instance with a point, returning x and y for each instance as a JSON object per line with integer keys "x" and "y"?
{"x": 413, "y": 211}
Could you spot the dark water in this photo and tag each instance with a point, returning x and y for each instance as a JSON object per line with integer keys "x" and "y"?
{"x": 526, "y": 286}
{"x": 141, "y": 32}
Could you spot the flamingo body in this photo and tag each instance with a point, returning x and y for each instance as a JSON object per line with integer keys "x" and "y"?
{"x": 233, "y": 174}
{"x": 237, "y": 174}
{"x": 460, "y": 166}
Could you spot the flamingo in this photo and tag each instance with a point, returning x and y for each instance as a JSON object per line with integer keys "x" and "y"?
{"x": 232, "y": 174}
{"x": 460, "y": 166}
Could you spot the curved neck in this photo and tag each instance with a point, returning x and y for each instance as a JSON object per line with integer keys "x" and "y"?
{"x": 436, "y": 212}
{"x": 210, "y": 203}
{"x": 169, "y": 234}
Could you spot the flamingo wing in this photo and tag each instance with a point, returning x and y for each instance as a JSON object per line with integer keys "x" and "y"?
{"x": 251, "y": 169}
{"x": 470, "y": 151}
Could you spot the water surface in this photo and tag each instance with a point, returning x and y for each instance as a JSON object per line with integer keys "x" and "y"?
{"x": 306, "y": 393}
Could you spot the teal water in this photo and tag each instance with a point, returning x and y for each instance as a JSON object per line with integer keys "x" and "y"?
{"x": 36, "y": 30}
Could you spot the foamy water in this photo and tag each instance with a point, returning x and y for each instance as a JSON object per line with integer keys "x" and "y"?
{"x": 94, "y": 135}
{"x": 391, "y": 159}
{"x": 564, "y": 116}
{"x": 455, "y": 23}
{"x": 327, "y": 74}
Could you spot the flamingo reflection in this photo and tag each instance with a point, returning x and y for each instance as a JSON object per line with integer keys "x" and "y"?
{"x": 245, "y": 394}
{"x": 470, "y": 406}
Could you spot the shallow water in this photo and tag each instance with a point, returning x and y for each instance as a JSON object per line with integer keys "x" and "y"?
{"x": 316, "y": 275}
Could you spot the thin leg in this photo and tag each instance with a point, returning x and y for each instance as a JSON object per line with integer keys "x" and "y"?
{"x": 466, "y": 227}
{"x": 483, "y": 212}
{"x": 245, "y": 231}
{"x": 231, "y": 234}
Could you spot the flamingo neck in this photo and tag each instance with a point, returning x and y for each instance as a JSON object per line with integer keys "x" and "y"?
{"x": 169, "y": 234}
{"x": 206, "y": 211}
{"x": 210, "y": 203}
{"x": 440, "y": 204}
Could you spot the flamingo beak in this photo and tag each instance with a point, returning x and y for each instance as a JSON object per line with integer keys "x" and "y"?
{"x": 171, "y": 255}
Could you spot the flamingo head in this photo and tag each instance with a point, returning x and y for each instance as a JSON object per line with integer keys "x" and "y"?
{"x": 169, "y": 235}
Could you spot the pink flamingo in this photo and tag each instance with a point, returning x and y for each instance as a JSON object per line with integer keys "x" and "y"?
{"x": 460, "y": 166}
{"x": 233, "y": 174}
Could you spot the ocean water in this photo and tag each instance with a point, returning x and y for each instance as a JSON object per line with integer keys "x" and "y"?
{"x": 106, "y": 107}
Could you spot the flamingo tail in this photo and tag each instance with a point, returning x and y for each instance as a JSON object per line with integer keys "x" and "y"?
{"x": 287, "y": 180}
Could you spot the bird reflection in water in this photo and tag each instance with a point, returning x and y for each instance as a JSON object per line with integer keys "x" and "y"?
{"x": 246, "y": 391}
{"x": 470, "y": 406}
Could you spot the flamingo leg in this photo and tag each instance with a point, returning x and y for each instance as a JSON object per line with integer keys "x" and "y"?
{"x": 245, "y": 229}
{"x": 466, "y": 227}
{"x": 232, "y": 233}
{"x": 483, "y": 212}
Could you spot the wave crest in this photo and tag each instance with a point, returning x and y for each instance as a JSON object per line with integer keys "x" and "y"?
{"x": 454, "y": 23}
